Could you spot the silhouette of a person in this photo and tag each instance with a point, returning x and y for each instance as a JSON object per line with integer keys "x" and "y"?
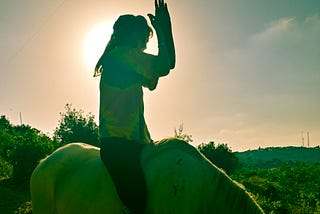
{"x": 125, "y": 68}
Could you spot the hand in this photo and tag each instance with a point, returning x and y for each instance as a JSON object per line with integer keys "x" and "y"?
{"x": 156, "y": 25}
{"x": 154, "y": 22}
{"x": 162, "y": 23}
{"x": 162, "y": 14}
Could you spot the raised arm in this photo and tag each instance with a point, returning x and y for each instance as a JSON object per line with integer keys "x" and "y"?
{"x": 162, "y": 63}
{"x": 163, "y": 17}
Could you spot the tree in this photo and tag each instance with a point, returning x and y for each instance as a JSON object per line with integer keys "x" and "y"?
{"x": 21, "y": 148}
{"x": 6, "y": 145}
{"x": 30, "y": 147}
{"x": 5, "y": 124}
{"x": 221, "y": 156}
{"x": 74, "y": 127}
{"x": 6, "y": 137}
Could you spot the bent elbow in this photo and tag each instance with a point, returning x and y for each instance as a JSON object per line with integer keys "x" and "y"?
{"x": 173, "y": 62}
{"x": 163, "y": 66}
{"x": 151, "y": 88}
{"x": 164, "y": 72}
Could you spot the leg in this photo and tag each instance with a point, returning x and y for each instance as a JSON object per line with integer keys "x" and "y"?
{"x": 122, "y": 159}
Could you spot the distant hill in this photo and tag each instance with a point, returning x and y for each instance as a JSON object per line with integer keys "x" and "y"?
{"x": 276, "y": 156}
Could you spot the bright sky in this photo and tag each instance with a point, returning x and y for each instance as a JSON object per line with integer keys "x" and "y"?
{"x": 247, "y": 73}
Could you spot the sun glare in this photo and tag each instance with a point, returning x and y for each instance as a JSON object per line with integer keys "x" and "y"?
{"x": 95, "y": 43}
{"x": 97, "y": 39}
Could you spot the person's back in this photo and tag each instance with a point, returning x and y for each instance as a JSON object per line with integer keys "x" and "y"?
{"x": 121, "y": 100}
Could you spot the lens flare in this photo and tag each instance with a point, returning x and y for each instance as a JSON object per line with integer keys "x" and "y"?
{"x": 95, "y": 43}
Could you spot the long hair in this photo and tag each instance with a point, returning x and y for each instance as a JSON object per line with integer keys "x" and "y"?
{"x": 128, "y": 30}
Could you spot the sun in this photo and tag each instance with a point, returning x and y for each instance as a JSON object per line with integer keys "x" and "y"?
{"x": 95, "y": 43}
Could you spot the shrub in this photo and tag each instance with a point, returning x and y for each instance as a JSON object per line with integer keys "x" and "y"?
{"x": 6, "y": 169}
{"x": 30, "y": 147}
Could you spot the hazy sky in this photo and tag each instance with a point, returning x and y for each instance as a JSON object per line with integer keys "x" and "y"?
{"x": 247, "y": 73}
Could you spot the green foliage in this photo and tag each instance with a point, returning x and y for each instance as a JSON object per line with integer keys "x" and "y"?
{"x": 13, "y": 200}
{"x": 6, "y": 169}
{"x": 74, "y": 127}
{"x": 182, "y": 136}
{"x": 220, "y": 155}
{"x": 6, "y": 137}
{"x": 291, "y": 188}
{"x": 30, "y": 147}
{"x": 274, "y": 157}
{"x": 25, "y": 208}
{"x": 4, "y": 123}
{"x": 21, "y": 148}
